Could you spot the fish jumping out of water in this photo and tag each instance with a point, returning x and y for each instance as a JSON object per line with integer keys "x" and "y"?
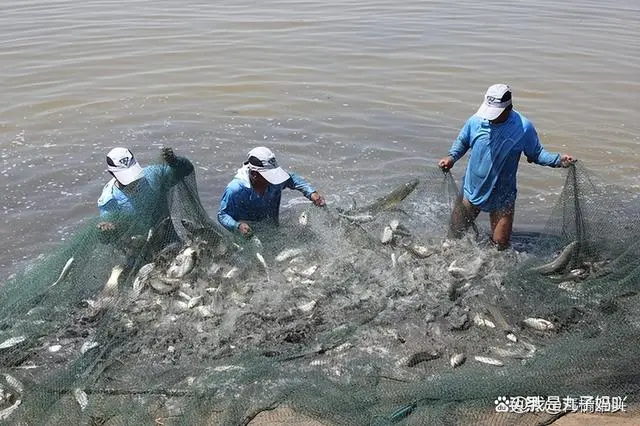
{"x": 559, "y": 262}
{"x": 386, "y": 202}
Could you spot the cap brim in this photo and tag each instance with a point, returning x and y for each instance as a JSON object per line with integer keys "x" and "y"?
{"x": 489, "y": 112}
{"x": 132, "y": 174}
{"x": 275, "y": 176}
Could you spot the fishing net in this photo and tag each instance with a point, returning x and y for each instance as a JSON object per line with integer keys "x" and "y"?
{"x": 339, "y": 316}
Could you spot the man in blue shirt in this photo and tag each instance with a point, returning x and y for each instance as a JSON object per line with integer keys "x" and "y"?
{"x": 255, "y": 191}
{"x": 135, "y": 199}
{"x": 497, "y": 136}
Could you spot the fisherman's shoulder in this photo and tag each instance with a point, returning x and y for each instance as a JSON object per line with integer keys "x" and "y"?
{"x": 236, "y": 186}
{"x": 521, "y": 121}
{"x": 474, "y": 122}
{"x": 107, "y": 193}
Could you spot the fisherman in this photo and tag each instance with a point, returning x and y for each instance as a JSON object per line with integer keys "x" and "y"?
{"x": 255, "y": 191}
{"x": 497, "y": 136}
{"x": 135, "y": 199}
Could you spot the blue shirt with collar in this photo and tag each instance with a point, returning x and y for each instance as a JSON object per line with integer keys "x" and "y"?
{"x": 490, "y": 179}
{"x": 241, "y": 203}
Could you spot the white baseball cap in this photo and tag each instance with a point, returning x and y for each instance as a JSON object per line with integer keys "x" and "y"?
{"x": 123, "y": 165}
{"x": 263, "y": 161}
{"x": 496, "y": 100}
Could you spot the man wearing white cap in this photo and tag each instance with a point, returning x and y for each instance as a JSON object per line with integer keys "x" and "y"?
{"x": 497, "y": 135}
{"x": 137, "y": 190}
{"x": 254, "y": 193}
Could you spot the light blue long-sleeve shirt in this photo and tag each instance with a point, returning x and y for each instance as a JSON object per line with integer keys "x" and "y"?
{"x": 490, "y": 178}
{"x": 241, "y": 203}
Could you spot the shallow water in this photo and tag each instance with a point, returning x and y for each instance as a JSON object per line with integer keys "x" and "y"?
{"x": 356, "y": 96}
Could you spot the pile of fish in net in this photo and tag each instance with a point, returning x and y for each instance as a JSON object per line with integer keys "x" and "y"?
{"x": 346, "y": 315}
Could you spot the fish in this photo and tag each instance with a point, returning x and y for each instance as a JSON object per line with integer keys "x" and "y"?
{"x": 538, "y": 324}
{"x": 388, "y": 201}
{"x": 465, "y": 273}
{"x": 482, "y": 322}
{"x": 303, "y": 219}
{"x": 419, "y": 251}
{"x": 142, "y": 277}
{"x": 255, "y": 241}
{"x": 208, "y": 234}
{"x": 307, "y": 273}
{"x": 358, "y": 218}
{"x": 519, "y": 353}
{"x": 184, "y": 263}
{"x": 307, "y": 307}
{"x": 112, "y": 283}
{"x": 5, "y": 413}
{"x": 204, "y": 311}
{"x": 233, "y": 273}
{"x": 12, "y": 342}
{"x": 81, "y": 398}
{"x": 387, "y": 235}
{"x": 263, "y": 263}
{"x": 419, "y": 357}
{"x": 88, "y": 345}
{"x": 512, "y": 337}
{"x": 65, "y": 271}
{"x": 559, "y": 262}
{"x": 164, "y": 285}
{"x": 195, "y": 301}
{"x": 288, "y": 254}
{"x": 14, "y": 383}
{"x": 490, "y": 361}
{"x": 457, "y": 360}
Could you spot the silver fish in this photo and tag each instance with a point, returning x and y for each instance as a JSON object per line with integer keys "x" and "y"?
{"x": 482, "y": 322}
{"x": 81, "y": 398}
{"x": 12, "y": 342}
{"x": 419, "y": 251}
{"x": 457, "y": 360}
{"x": 88, "y": 345}
{"x": 263, "y": 263}
{"x": 233, "y": 273}
{"x": 303, "y": 219}
{"x": 65, "y": 271}
{"x": 388, "y": 201}
{"x": 538, "y": 324}
{"x": 387, "y": 235}
{"x": 184, "y": 263}
{"x": 164, "y": 285}
{"x": 559, "y": 262}
{"x": 358, "y": 218}
{"x": 490, "y": 361}
{"x": 204, "y": 311}
{"x": 112, "y": 283}
{"x": 308, "y": 273}
{"x": 195, "y": 301}
{"x": 14, "y": 383}
{"x": 4, "y": 414}
{"x": 307, "y": 307}
{"x": 288, "y": 254}
{"x": 519, "y": 353}
{"x": 142, "y": 277}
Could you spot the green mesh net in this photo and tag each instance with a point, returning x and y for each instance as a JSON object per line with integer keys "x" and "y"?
{"x": 351, "y": 316}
